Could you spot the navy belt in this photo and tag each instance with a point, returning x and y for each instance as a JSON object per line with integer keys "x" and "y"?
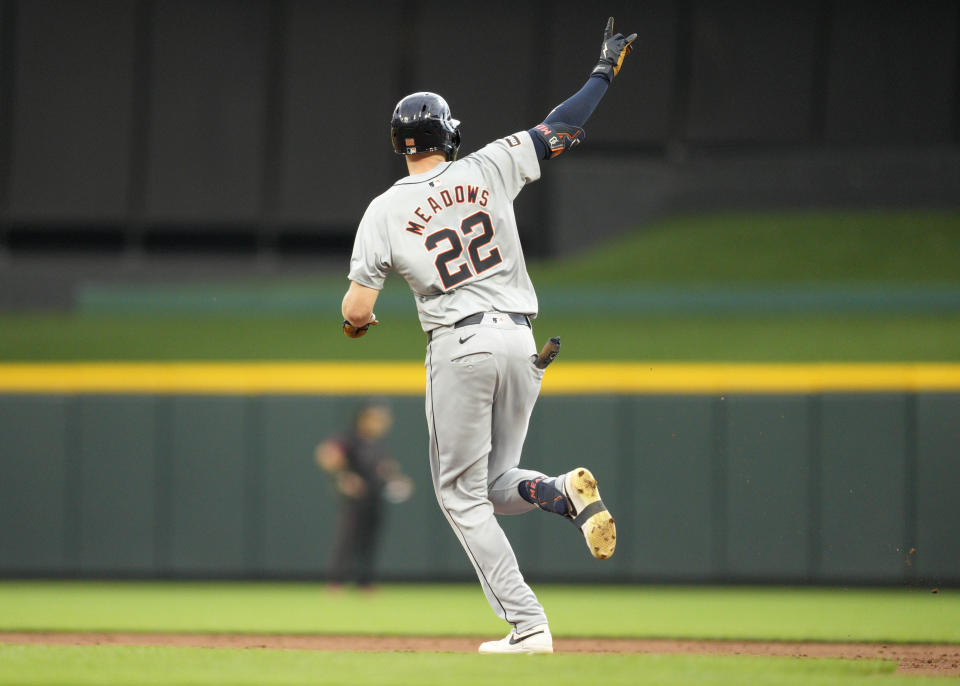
{"x": 477, "y": 317}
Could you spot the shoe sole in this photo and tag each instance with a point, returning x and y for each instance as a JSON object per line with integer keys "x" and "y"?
{"x": 523, "y": 651}
{"x": 600, "y": 531}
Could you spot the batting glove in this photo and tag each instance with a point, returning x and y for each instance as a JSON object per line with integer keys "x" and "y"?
{"x": 357, "y": 331}
{"x": 615, "y": 47}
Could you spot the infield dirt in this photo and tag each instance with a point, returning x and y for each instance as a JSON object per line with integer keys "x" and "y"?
{"x": 911, "y": 658}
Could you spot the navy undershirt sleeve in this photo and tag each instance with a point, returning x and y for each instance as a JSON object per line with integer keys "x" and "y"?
{"x": 576, "y": 109}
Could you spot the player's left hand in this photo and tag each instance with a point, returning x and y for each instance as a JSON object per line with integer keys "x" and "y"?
{"x": 615, "y": 47}
{"x": 352, "y": 331}
{"x": 398, "y": 489}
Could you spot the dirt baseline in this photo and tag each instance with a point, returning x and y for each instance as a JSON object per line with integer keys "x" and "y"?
{"x": 913, "y": 658}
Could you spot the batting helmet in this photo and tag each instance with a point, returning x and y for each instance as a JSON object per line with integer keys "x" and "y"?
{"x": 421, "y": 122}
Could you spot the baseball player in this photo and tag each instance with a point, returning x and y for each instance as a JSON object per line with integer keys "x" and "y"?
{"x": 365, "y": 474}
{"x": 449, "y": 229}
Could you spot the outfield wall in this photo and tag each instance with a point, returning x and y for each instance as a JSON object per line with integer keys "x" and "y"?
{"x": 774, "y": 486}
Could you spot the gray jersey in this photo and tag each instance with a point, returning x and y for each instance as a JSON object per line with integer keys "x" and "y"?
{"x": 452, "y": 234}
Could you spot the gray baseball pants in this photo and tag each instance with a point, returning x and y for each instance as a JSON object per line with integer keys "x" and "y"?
{"x": 481, "y": 389}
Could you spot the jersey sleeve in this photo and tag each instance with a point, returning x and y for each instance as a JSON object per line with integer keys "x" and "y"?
{"x": 371, "y": 260}
{"x": 513, "y": 158}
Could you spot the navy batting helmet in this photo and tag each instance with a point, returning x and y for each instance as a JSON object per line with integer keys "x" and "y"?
{"x": 421, "y": 122}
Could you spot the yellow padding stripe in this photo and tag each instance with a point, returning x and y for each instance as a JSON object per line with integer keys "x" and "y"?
{"x": 655, "y": 377}
{"x": 407, "y": 378}
{"x": 217, "y": 377}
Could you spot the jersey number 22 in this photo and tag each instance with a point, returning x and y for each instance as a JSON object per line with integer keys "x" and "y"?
{"x": 452, "y": 266}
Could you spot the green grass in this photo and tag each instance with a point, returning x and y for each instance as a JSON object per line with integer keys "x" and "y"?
{"x": 827, "y": 252}
{"x": 112, "y": 665}
{"x": 786, "y": 338}
{"x": 777, "y": 247}
{"x": 616, "y": 611}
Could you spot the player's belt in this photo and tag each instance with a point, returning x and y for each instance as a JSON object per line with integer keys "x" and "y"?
{"x": 477, "y": 317}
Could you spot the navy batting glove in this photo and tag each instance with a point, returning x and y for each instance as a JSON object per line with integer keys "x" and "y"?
{"x": 615, "y": 47}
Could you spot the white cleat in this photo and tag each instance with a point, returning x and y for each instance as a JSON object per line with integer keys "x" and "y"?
{"x": 589, "y": 513}
{"x": 531, "y": 641}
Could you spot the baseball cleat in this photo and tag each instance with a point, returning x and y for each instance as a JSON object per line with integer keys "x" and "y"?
{"x": 589, "y": 513}
{"x": 531, "y": 641}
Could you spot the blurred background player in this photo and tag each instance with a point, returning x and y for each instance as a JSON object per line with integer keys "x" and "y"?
{"x": 365, "y": 474}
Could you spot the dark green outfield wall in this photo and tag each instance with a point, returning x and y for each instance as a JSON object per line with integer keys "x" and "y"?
{"x": 832, "y": 488}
